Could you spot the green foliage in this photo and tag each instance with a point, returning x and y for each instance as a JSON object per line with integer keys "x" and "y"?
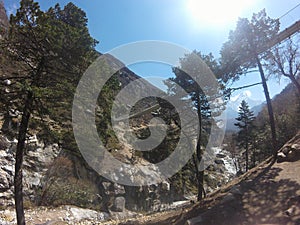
{"x": 245, "y": 124}
{"x": 194, "y": 76}
{"x": 245, "y": 43}
{"x": 62, "y": 188}
{"x": 243, "y": 52}
{"x": 245, "y": 119}
{"x": 103, "y": 114}
{"x": 287, "y": 110}
{"x": 52, "y": 49}
{"x": 202, "y": 97}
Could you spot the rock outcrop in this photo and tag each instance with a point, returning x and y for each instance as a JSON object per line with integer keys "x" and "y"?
{"x": 36, "y": 160}
{"x": 4, "y": 23}
{"x": 290, "y": 152}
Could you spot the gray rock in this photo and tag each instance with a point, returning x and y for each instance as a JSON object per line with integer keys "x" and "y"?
{"x": 3, "y": 154}
{"x": 165, "y": 186}
{"x": 3, "y": 143}
{"x": 291, "y": 211}
{"x": 194, "y": 221}
{"x": 119, "y": 204}
{"x": 286, "y": 150}
{"x": 36, "y": 161}
{"x": 87, "y": 214}
{"x": 118, "y": 189}
{"x": 295, "y": 146}
{"x": 4, "y": 182}
{"x": 106, "y": 186}
{"x": 9, "y": 169}
{"x": 281, "y": 157}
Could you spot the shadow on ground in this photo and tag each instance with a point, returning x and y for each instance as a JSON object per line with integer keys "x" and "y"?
{"x": 262, "y": 199}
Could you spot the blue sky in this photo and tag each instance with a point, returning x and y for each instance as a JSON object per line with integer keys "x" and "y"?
{"x": 200, "y": 25}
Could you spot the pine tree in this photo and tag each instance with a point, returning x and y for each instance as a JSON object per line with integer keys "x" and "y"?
{"x": 185, "y": 76}
{"x": 242, "y": 53}
{"x": 51, "y": 50}
{"x": 245, "y": 124}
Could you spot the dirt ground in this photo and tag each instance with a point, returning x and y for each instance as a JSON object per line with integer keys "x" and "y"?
{"x": 267, "y": 195}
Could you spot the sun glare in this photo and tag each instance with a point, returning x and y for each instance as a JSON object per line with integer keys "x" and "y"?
{"x": 215, "y": 13}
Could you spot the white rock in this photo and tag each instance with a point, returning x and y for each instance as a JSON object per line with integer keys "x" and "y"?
{"x": 84, "y": 214}
{"x": 194, "y": 220}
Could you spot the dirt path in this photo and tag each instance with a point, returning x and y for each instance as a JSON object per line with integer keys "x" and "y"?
{"x": 272, "y": 194}
{"x": 262, "y": 196}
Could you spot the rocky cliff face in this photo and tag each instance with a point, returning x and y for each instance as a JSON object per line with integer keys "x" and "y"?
{"x": 36, "y": 161}
{"x": 48, "y": 182}
{"x": 4, "y": 23}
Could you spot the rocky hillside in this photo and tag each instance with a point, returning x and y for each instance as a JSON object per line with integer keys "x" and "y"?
{"x": 286, "y": 106}
{"x": 37, "y": 160}
{"x": 267, "y": 194}
{"x": 56, "y": 173}
{"x": 4, "y": 23}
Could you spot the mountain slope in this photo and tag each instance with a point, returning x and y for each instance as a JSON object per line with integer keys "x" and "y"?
{"x": 286, "y": 107}
{"x": 267, "y": 194}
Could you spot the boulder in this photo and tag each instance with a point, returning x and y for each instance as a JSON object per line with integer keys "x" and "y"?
{"x": 119, "y": 189}
{"x": 119, "y": 204}
{"x": 290, "y": 152}
{"x": 165, "y": 186}
{"x": 87, "y": 214}
{"x": 281, "y": 157}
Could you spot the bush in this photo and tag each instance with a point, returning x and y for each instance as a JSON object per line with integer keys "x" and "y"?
{"x": 72, "y": 191}
{"x": 62, "y": 188}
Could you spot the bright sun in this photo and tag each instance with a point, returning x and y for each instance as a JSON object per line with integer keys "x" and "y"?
{"x": 215, "y": 13}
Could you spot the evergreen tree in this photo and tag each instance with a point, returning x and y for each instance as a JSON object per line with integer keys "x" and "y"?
{"x": 50, "y": 50}
{"x": 245, "y": 124}
{"x": 185, "y": 74}
{"x": 243, "y": 52}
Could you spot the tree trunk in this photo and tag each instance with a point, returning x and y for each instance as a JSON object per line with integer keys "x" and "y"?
{"x": 199, "y": 153}
{"x": 247, "y": 155}
{"x": 19, "y": 159}
{"x": 270, "y": 108}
